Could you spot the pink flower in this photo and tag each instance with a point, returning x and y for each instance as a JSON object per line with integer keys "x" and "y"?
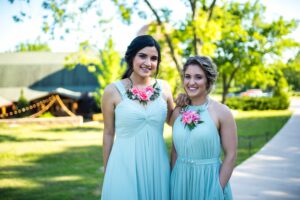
{"x": 186, "y": 120}
{"x": 149, "y": 89}
{"x": 143, "y": 96}
{"x": 187, "y": 117}
{"x": 195, "y": 117}
{"x": 150, "y": 93}
{"x": 135, "y": 91}
{"x": 191, "y": 118}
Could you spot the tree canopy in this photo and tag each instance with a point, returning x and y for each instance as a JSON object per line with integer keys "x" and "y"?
{"x": 106, "y": 65}
{"x": 234, "y": 34}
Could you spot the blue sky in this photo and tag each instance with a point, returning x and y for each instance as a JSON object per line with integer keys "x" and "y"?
{"x": 12, "y": 33}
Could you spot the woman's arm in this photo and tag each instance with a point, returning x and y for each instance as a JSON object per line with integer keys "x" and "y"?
{"x": 228, "y": 132}
{"x": 109, "y": 121}
{"x": 175, "y": 114}
{"x": 169, "y": 99}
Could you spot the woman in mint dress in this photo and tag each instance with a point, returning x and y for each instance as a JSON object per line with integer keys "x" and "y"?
{"x": 200, "y": 131}
{"x": 135, "y": 109}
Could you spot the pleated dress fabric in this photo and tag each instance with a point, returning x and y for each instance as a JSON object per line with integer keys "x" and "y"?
{"x": 195, "y": 175}
{"x": 138, "y": 167}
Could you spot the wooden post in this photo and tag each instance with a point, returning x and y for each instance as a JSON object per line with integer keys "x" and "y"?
{"x": 3, "y": 110}
{"x": 249, "y": 144}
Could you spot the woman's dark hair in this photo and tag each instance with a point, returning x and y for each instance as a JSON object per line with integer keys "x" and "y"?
{"x": 135, "y": 46}
{"x": 207, "y": 65}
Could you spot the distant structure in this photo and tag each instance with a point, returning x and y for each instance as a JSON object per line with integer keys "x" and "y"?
{"x": 42, "y": 77}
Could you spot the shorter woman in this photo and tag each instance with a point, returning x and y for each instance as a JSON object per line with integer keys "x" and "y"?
{"x": 200, "y": 131}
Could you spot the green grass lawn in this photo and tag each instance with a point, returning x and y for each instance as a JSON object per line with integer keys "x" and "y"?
{"x": 260, "y": 126}
{"x": 54, "y": 162}
{"x": 50, "y": 163}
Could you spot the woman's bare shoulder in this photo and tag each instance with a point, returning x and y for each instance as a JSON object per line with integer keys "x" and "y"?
{"x": 110, "y": 89}
{"x": 164, "y": 84}
{"x": 220, "y": 108}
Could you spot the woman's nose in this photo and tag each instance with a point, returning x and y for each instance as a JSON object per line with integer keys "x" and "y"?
{"x": 147, "y": 62}
{"x": 191, "y": 81}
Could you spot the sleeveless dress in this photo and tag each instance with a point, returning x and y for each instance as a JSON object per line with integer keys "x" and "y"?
{"x": 195, "y": 175}
{"x": 138, "y": 167}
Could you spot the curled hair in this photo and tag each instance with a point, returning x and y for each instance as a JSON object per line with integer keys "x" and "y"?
{"x": 134, "y": 47}
{"x": 207, "y": 65}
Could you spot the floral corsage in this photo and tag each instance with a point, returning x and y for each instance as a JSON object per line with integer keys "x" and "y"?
{"x": 191, "y": 118}
{"x": 149, "y": 93}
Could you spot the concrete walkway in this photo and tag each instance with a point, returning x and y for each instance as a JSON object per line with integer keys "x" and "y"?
{"x": 273, "y": 173}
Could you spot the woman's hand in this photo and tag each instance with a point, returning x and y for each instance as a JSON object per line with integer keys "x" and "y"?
{"x": 182, "y": 100}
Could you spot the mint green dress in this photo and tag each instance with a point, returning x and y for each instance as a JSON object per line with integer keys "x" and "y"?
{"x": 195, "y": 175}
{"x": 138, "y": 167}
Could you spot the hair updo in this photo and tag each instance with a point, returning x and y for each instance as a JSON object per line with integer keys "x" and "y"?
{"x": 207, "y": 65}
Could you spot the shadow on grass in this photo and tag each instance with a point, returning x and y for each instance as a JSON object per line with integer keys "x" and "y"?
{"x": 73, "y": 129}
{"x": 72, "y": 174}
{"x": 9, "y": 138}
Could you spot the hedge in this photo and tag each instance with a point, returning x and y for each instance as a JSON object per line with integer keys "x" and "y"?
{"x": 258, "y": 103}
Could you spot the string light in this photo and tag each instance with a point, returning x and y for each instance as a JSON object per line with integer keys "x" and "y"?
{"x": 27, "y": 108}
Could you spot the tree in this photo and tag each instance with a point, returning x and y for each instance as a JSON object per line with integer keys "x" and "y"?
{"x": 182, "y": 38}
{"x": 106, "y": 65}
{"x": 178, "y": 39}
{"x": 58, "y": 14}
{"x": 292, "y": 73}
{"x": 234, "y": 34}
{"x": 29, "y": 47}
{"x": 247, "y": 42}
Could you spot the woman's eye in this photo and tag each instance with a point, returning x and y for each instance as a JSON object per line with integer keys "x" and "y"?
{"x": 142, "y": 56}
{"x": 154, "y": 58}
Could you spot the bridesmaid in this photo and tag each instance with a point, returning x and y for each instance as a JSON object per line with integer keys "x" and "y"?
{"x": 200, "y": 131}
{"x": 135, "y": 109}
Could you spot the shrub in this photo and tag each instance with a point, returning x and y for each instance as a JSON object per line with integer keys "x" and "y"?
{"x": 258, "y": 103}
{"x": 22, "y": 104}
{"x": 46, "y": 115}
{"x": 22, "y": 101}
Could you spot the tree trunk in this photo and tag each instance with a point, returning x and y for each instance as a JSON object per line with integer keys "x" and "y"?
{"x": 225, "y": 88}
{"x": 167, "y": 37}
{"x": 211, "y": 9}
{"x": 227, "y": 82}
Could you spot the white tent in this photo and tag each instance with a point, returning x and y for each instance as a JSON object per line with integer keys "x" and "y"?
{"x": 4, "y": 102}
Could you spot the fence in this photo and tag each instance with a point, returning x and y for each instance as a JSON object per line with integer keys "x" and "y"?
{"x": 248, "y": 141}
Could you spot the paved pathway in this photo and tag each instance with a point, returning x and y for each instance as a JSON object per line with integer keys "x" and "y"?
{"x": 273, "y": 173}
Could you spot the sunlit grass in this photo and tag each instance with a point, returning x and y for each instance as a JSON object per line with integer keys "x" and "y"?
{"x": 39, "y": 162}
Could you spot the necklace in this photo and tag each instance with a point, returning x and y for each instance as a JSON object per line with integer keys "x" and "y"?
{"x": 150, "y": 93}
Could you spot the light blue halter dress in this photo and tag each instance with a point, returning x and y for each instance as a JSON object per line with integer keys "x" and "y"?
{"x": 138, "y": 167}
{"x": 195, "y": 175}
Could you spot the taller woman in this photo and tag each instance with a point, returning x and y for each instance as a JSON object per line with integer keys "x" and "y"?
{"x": 135, "y": 109}
{"x": 200, "y": 132}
